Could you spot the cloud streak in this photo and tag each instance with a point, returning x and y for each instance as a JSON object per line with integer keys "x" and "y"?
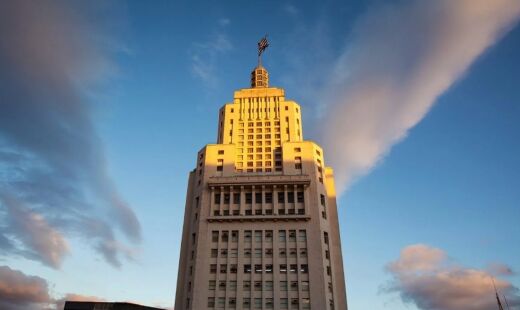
{"x": 53, "y": 173}
{"x": 204, "y": 55}
{"x": 400, "y": 58}
{"x": 424, "y": 276}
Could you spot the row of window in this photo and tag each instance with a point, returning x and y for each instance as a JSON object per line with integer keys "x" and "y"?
{"x": 258, "y": 149}
{"x": 258, "y": 252}
{"x": 267, "y": 303}
{"x": 260, "y": 212}
{"x": 257, "y": 234}
{"x": 258, "y": 285}
{"x": 259, "y": 137}
{"x": 259, "y": 268}
{"x": 266, "y": 197}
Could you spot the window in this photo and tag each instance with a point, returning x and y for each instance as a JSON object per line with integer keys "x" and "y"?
{"x": 306, "y": 303}
{"x": 269, "y": 303}
{"x": 294, "y": 302}
{"x": 222, "y": 285}
{"x": 329, "y": 271}
{"x": 326, "y": 237}
{"x": 246, "y": 303}
{"x": 299, "y": 197}
{"x": 258, "y": 234}
{"x": 268, "y": 196}
{"x": 322, "y": 199}
{"x": 302, "y": 235}
{"x": 258, "y": 252}
{"x": 258, "y": 303}
{"x": 294, "y": 285}
{"x": 281, "y": 236}
{"x": 223, "y": 253}
{"x": 247, "y": 268}
{"x": 290, "y": 197}
{"x": 247, "y": 236}
{"x": 284, "y": 303}
{"x": 211, "y": 285}
{"x": 232, "y": 302}
{"x": 269, "y": 234}
{"x": 247, "y": 286}
{"x": 226, "y": 198}
{"x": 249, "y": 198}
{"x": 305, "y": 286}
{"x": 304, "y": 268}
{"x": 217, "y": 198}
{"x": 283, "y": 268}
{"x": 223, "y": 268}
{"x": 281, "y": 197}
{"x": 327, "y": 254}
{"x": 233, "y": 253}
{"x": 214, "y": 252}
{"x": 258, "y": 268}
{"x": 221, "y": 152}
{"x": 258, "y": 285}
{"x": 268, "y": 268}
{"x": 221, "y": 302}
{"x": 293, "y": 268}
{"x": 292, "y": 252}
{"x": 247, "y": 252}
{"x": 233, "y": 268}
{"x": 283, "y": 285}
{"x": 213, "y": 268}
{"x": 225, "y": 236}
{"x": 234, "y": 236}
{"x": 282, "y": 253}
{"x": 297, "y": 149}
{"x": 236, "y": 198}
{"x": 258, "y": 196}
{"x": 292, "y": 235}
{"x": 303, "y": 252}
{"x": 211, "y": 302}
{"x": 298, "y": 166}
{"x": 214, "y": 236}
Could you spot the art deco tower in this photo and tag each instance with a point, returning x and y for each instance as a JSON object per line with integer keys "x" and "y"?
{"x": 260, "y": 224}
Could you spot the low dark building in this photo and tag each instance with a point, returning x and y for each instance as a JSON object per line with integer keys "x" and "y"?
{"x": 94, "y": 305}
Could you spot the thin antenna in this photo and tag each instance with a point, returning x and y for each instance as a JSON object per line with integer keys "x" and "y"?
{"x": 500, "y": 307}
{"x": 505, "y": 299}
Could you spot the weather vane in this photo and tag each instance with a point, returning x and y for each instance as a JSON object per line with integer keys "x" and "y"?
{"x": 262, "y": 45}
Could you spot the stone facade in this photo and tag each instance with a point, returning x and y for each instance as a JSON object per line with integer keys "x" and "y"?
{"x": 260, "y": 225}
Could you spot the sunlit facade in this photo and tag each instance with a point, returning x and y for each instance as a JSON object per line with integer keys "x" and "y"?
{"x": 260, "y": 226}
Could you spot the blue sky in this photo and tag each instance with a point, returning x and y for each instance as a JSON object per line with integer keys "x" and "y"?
{"x": 449, "y": 180}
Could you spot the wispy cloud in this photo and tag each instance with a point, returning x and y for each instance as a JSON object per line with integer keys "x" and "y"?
{"x": 53, "y": 172}
{"x": 205, "y": 55}
{"x": 425, "y": 277}
{"x": 399, "y": 59}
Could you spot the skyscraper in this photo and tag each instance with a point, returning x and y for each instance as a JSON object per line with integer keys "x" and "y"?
{"x": 260, "y": 225}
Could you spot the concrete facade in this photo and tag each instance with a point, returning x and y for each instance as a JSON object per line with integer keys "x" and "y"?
{"x": 260, "y": 225}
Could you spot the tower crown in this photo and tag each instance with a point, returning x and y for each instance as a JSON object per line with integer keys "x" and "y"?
{"x": 259, "y": 77}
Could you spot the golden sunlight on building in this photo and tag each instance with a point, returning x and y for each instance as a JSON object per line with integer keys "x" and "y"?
{"x": 260, "y": 226}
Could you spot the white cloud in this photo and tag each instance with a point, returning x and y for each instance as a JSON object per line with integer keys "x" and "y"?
{"x": 398, "y": 61}
{"x": 205, "y": 55}
{"x": 425, "y": 277}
